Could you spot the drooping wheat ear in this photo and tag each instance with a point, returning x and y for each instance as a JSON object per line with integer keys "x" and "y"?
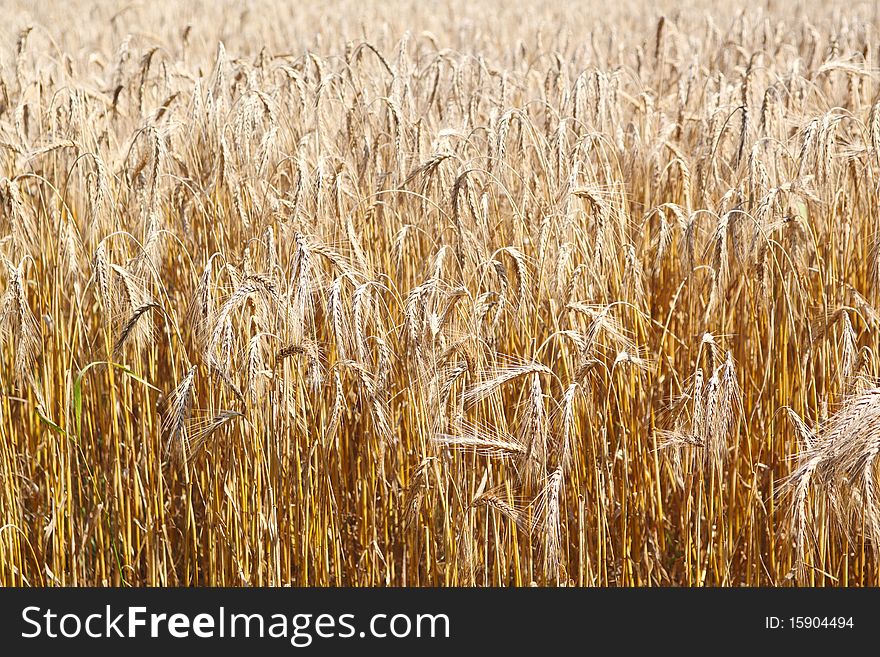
{"x": 560, "y": 270}
{"x": 199, "y": 432}
{"x": 131, "y": 324}
{"x": 501, "y": 272}
{"x": 133, "y": 292}
{"x": 483, "y": 304}
{"x": 452, "y": 298}
{"x": 332, "y": 257}
{"x": 493, "y": 501}
{"x": 501, "y": 142}
{"x": 811, "y": 135}
{"x": 339, "y": 319}
{"x": 256, "y": 366}
{"x": 664, "y": 239}
{"x": 714, "y": 442}
{"x": 271, "y": 250}
{"x": 225, "y": 168}
{"x": 362, "y": 311}
{"x": 381, "y": 415}
{"x": 448, "y": 381}
{"x": 806, "y": 436}
{"x": 601, "y": 212}
{"x": 797, "y": 485}
{"x": 415, "y": 316}
{"x": 226, "y": 343}
{"x": 148, "y": 260}
{"x": 522, "y": 273}
{"x": 685, "y": 171}
{"x": 849, "y": 348}
{"x": 249, "y": 285}
{"x": 179, "y": 405}
{"x": 822, "y": 326}
{"x": 572, "y": 286}
{"x": 20, "y": 47}
{"x": 466, "y": 560}
{"x": 436, "y": 267}
{"x": 758, "y": 176}
{"x": 312, "y": 353}
{"x": 201, "y": 306}
{"x": 17, "y": 323}
{"x": 872, "y": 317}
{"x": 689, "y": 230}
{"x": 712, "y": 351}
{"x": 730, "y": 397}
{"x": 494, "y": 379}
{"x": 301, "y": 281}
{"x": 247, "y": 262}
{"x": 222, "y": 368}
{"x": 415, "y": 492}
{"x": 397, "y": 248}
{"x": 238, "y": 202}
{"x": 24, "y": 230}
{"x": 544, "y": 237}
{"x": 70, "y": 249}
{"x": 383, "y": 364}
{"x": 839, "y": 463}
{"x": 378, "y": 403}
{"x": 720, "y": 263}
{"x": 159, "y": 155}
{"x": 102, "y": 274}
{"x": 633, "y": 276}
{"x": 483, "y": 440}
{"x": 338, "y": 406}
{"x": 825, "y": 146}
{"x": 144, "y": 71}
{"x": 771, "y": 93}
{"x": 354, "y": 240}
{"x": 633, "y": 360}
{"x": 396, "y": 115}
{"x": 603, "y": 323}
{"x": 875, "y": 129}
{"x": 547, "y": 518}
{"x": 534, "y": 433}
{"x": 745, "y": 112}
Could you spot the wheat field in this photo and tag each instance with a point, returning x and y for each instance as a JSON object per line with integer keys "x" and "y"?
{"x": 473, "y": 294}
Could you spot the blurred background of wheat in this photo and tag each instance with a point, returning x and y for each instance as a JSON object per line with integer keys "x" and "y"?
{"x": 474, "y": 293}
